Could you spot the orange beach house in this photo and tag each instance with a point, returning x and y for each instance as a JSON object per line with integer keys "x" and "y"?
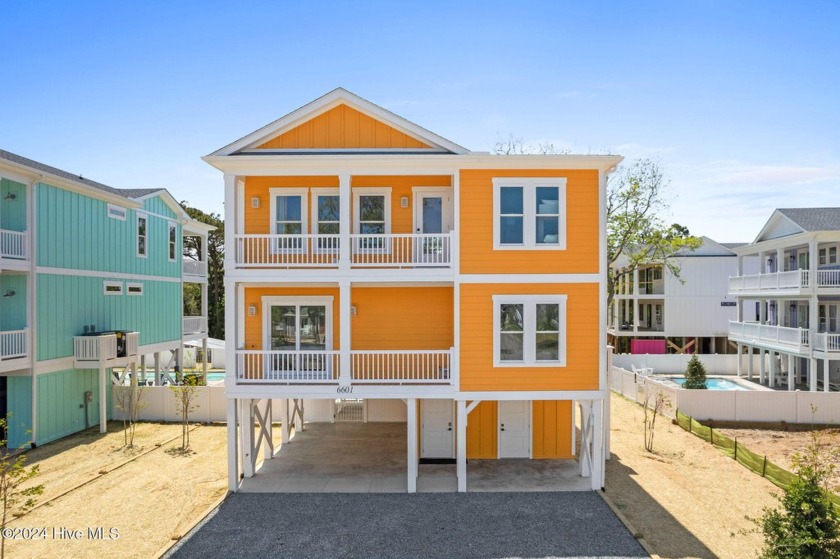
{"x": 376, "y": 269}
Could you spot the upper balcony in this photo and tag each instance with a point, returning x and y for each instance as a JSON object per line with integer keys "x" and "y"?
{"x": 396, "y": 250}
{"x": 194, "y": 326}
{"x": 194, "y": 270}
{"x": 14, "y": 245}
{"x": 777, "y": 337}
{"x": 794, "y": 282}
{"x": 14, "y": 349}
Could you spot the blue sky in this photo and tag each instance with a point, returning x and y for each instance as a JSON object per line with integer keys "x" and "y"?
{"x": 739, "y": 100}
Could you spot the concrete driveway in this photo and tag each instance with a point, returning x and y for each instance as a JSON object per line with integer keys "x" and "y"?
{"x": 445, "y": 525}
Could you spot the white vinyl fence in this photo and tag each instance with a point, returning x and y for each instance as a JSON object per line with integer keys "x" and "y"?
{"x": 759, "y": 406}
{"x": 716, "y": 363}
{"x": 159, "y": 405}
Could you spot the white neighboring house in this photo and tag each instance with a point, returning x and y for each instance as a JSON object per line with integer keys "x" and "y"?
{"x": 215, "y": 349}
{"x": 793, "y": 322}
{"x": 654, "y": 311}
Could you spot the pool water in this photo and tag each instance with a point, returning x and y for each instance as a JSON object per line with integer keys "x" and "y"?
{"x": 215, "y": 376}
{"x": 713, "y": 383}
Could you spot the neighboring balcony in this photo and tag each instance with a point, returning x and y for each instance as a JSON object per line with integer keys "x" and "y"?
{"x": 194, "y": 325}
{"x": 14, "y": 349}
{"x": 106, "y": 349}
{"x": 397, "y": 250}
{"x": 194, "y": 270}
{"x": 391, "y": 367}
{"x": 793, "y": 282}
{"x": 794, "y": 339}
{"x": 13, "y": 245}
{"x": 828, "y": 342}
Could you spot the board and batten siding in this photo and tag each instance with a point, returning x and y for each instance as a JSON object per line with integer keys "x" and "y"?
{"x": 156, "y": 205}
{"x": 66, "y": 304}
{"x": 74, "y": 231}
{"x": 61, "y": 400}
{"x": 19, "y": 404}
{"x": 12, "y": 212}
{"x": 13, "y": 309}
{"x": 693, "y": 301}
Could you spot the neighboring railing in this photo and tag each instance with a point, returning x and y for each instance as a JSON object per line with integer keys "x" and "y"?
{"x": 752, "y": 331}
{"x": 287, "y": 250}
{"x": 794, "y": 279}
{"x": 827, "y": 341}
{"x": 401, "y": 366}
{"x": 305, "y": 367}
{"x": 103, "y": 347}
{"x": 194, "y": 324}
{"x": 191, "y": 267}
{"x": 12, "y": 244}
{"x": 13, "y": 343}
{"x": 828, "y": 278}
{"x": 398, "y": 249}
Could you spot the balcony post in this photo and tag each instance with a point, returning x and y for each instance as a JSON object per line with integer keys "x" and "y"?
{"x": 826, "y": 375}
{"x": 345, "y": 338}
{"x": 740, "y": 358}
{"x": 345, "y": 221}
{"x": 791, "y": 366}
{"x": 461, "y": 444}
{"x": 232, "y": 443}
{"x": 750, "y": 359}
{"x": 103, "y": 396}
{"x": 761, "y": 366}
{"x": 411, "y": 445}
{"x": 780, "y": 261}
{"x": 230, "y": 219}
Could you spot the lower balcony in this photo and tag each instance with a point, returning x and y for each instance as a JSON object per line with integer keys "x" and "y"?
{"x": 13, "y": 245}
{"x": 794, "y": 339}
{"x": 194, "y": 325}
{"x": 105, "y": 349}
{"x": 827, "y": 341}
{"x": 14, "y": 349}
{"x": 386, "y": 367}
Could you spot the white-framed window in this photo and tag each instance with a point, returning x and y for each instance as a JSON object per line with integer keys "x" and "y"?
{"x": 112, "y": 287}
{"x": 529, "y": 330}
{"x": 326, "y": 218}
{"x": 372, "y": 216}
{"x": 289, "y": 218}
{"x": 134, "y": 288}
{"x": 529, "y": 213}
{"x": 117, "y": 212}
{"x": 173, "y": 242}
{"x": 298, "y": 332}
{"x": 828, "y": 255}
{"x": 142, "y": 235}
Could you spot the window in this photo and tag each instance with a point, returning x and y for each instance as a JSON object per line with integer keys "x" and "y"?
{"x": 529, "y": 213}
{"x": 116, "y": 212}
{"x": 112, "y": 287}
{"x": 326, "y": 217}
{"x": 142, "y": 235}
{"x": 529, "y": 330}
{"x": 828, "y": 255}
{"x": 134, "y": 288}
{"x": 372, "y": 216}
{"x": 288, "y": 218}
{"x": 173, "y": 241}
{"x": 298, "y": 331}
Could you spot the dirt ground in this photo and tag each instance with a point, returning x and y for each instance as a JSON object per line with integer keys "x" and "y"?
{"x": 686, "y": 498}
{"x": 147, "y": 501}
{"x": 780, "y": 445}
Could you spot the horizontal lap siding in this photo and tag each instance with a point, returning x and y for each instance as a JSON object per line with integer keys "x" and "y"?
{"x": 552, "y": 422}
{"x": 258, "y": 220}
{"x": 401, "y": 218}
{"x": 254, "y": 296}
{"x": 343, "y": 127}
{"x": 582, "y": 227}
{"x": 402, "y": 318}
{"x": 582, "y": 338}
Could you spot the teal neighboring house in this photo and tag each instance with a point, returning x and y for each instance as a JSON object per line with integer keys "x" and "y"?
{"x": 91, "y": 279}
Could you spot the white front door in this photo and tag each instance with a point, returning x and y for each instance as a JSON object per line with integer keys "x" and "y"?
{"x": 438, "y": 435}
{"x": 431, "y": 220}
{"x": 515, "y": 429}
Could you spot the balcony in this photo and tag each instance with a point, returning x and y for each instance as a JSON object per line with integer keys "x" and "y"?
{"x": 13, "y": 245}
{"x": 14, "y": 344}
{"x": 94, "y": 351}
{"x": 795, "y": 339}
{"x": 793, "y": 282}
{"x": 827, "y": 341}
{"x": 194, "y": 325}
{"x": 397, "y": 250}
{"x": 194, "y": 270}
{"x": 391, "y": 367}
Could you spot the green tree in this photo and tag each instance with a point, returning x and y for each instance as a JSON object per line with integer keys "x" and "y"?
{"x": 695, "y": 374}
{"x": 13, "y": 477}
{"x": 215, "y": 272}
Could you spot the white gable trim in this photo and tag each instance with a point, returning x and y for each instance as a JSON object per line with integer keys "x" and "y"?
{"x": 325, "y": 103}
{"x": 773, "y": 223}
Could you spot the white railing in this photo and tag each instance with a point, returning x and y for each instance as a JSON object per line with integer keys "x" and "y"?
{"x": 104, "y": 347}
{"x": 794, "y": 279}
{"x": 13, "y": 343}
{"x": 828, "y": 278}
{"x": 12, "y": 244}
{"x": 194, "y": 324}
{"x": 827, "y": 341}
{"x": 287, "y": 250}
{"x": 401, "y": 367}
{"x": 305, "y": 367}
{"x": 191, "y": 267}
{"x": 752, "y": 331}
{"x": 401, "y": 249}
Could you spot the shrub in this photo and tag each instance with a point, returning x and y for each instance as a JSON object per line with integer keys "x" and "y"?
{"x": 695, "y": 374}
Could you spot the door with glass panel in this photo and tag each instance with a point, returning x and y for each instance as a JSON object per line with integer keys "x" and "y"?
{"x": 431, "y": 215}
{"x": 299, "y": 338}
{"x": 326, "y": 225}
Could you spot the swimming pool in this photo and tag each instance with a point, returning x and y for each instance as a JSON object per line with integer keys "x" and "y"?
{"x": 713, "y": 383}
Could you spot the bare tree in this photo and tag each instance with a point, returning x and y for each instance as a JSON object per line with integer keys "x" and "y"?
{"x": 129, "y": 401}
{"x": 13, "y": 477}
{"x": 652, "y": 410}
{"x": 185, "y": 394}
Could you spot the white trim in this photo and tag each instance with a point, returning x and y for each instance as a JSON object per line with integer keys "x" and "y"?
{"x": 529, "y": 332}
{"x": 110, "y": 284}
{"x": 358, "y": 192}
{"x": 138, "y": 217}
{"x": 529, "y": 217}
{"x": 112, "y": 208}
{"x": 529, "y": 278}
{"x": 529, "y": 437}
{"x": 303, "y": 192}
{"x": 170, "y": 244}
{"x": 314, "y": 194}
{"x": 291, "y": 300}
{"x": 447, "y": 222}
{"x": 102, "y": 274}
{"x": 129, "y": 285}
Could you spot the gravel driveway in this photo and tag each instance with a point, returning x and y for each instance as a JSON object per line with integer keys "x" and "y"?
{"x": 446, "y": 525}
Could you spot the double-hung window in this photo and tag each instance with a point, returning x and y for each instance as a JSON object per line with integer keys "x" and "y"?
{"x": 529, "y": 213}
{"x": 326, "y": 218}
{"x": 173, "y": 242}
{"x": 288, "y": 219}
{"x": 372, "y": 219}
{"x": 142, "y": 235}
{"x": 529, "y": 330}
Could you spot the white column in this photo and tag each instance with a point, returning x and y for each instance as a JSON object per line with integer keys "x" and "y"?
{"x": 345, "y": 222}
{"x": 750, "y": 359}
{"x": 826, "y": 363}
{"x": 812, "y": 374}
{"x": 246, "y": 424}
{"x": 143, "y": 368}
{"x": 607, "y": 406}
{"x": 791, "y": 372}
{"x": 345, "y": 338}
{"x": 104, "y": 386}
{"x": 740, "y": 259}
{"x": 461, "y": 444}
{"x": 158, "y": 377}
{"x": 231, "y": 338}
{"x": 773, "y": 368}
{"x": 287, "y": 421}
{"x": 411, "y": 445}
{"x": 232, "y": 445}
{"x": 585, "y": 455}
{"x": 761, "y": 366}
{"x": 204, "y": 351}
{"x": 230, "y": 220}
{"x": 762, "y": 263}
{"x": 302, "y": 422}
{"x": 269, "y": 444}
{"x": 597, "y": 445}
{"x": 740, "y": 358}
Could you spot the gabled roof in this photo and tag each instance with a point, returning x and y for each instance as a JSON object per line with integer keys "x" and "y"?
{"x": 791, "y": 221}
{"x": 47, "y": 169}
{"x": 140, "y": 192}
{"x": 708, "y": 247}
{"x": 336, "y": 97}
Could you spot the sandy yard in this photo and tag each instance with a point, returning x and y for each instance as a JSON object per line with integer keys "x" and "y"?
{"x": 686, "y": 498}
